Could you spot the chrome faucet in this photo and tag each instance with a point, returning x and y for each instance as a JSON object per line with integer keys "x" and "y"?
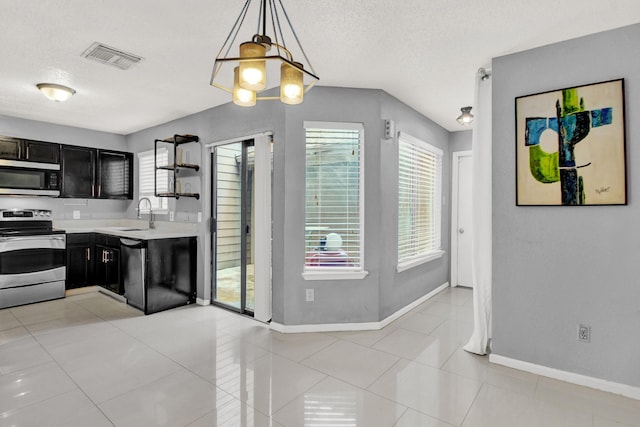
{"x": 152, "y": 225}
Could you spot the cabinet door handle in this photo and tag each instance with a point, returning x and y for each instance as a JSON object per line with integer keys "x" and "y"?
{"x": 88, "y": 254}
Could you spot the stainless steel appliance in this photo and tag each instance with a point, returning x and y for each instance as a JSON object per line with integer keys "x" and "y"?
{"x": 32, "y": 257}
{"x": 134, "y": 259}
{"x": 30, "y": 178}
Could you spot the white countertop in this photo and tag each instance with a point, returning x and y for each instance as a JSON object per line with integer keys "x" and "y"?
{"x": 132, "y": 229}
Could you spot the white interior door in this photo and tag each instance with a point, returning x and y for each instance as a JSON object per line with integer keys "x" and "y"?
{"x": 462, "y": 232}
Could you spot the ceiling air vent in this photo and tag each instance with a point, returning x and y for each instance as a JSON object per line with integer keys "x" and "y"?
{"x": 110, "y": 56}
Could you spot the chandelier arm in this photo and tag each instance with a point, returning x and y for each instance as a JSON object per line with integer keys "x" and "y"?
{"x": 259, "y": 19}
{"x": 284, "y": 48}
{"x": 277, "y": 29}
{"x": 296, "y": 37}
{"x": 235, "y": 28}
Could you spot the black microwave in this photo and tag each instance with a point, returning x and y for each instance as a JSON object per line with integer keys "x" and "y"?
{"x": 24, "y": 178}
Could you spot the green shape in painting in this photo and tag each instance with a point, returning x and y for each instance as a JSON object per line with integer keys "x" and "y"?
{"x": 571, "y": 102}
{"x": 543, "y": 165}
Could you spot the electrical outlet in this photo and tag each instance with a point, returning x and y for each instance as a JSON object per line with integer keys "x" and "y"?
{"x": 199, "y": 216}
{"x": 310, "y": 295}
{"x": 76, "y": 214}
{"x": 171, "y": 216}
{"x": 584, "y": 333}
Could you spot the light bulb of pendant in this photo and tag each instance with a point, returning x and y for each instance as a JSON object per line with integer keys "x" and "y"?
{"x": 466, "y": 117}
{"x": 242, "y": 97}
{"x": 253, "y": 74}
{"x": 291, "y": 84}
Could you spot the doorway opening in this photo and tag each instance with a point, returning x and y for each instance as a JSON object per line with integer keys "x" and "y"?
{"x": 461, "y": 219}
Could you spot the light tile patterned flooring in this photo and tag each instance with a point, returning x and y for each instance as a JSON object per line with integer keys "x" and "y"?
{"x": 89, "y": 360}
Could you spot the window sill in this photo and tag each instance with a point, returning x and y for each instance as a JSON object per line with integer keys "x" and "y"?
{"x": 334, "y": 275}
{"x": 406, "y": 265}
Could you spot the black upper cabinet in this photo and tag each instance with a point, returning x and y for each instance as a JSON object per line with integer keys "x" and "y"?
{"x": 10, "y": 148}
{"x": 28, "y": 150}
{"x": 43, "y": 152}
{"x": 91, "y": 173}
{"x": 115, "y": 175}
{"x": 78, "y": 172}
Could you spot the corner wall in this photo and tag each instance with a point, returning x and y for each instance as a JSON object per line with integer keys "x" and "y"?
{"x": 556, "y": 267}
{"x": 400, "y": 289}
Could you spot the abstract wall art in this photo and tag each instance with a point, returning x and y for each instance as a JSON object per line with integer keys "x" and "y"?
{"x": 570, "y": 146}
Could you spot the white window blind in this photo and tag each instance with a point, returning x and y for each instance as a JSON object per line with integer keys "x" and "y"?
{"x": 146, "y": 171}
{"x": 419, "y": 198}
{"x": 334, "y": 195}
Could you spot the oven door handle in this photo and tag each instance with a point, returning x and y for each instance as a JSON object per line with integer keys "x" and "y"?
{"x": 14, "y": 243}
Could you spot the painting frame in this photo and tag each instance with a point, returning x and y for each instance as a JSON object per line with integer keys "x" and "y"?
{"x": 571, "y": 146}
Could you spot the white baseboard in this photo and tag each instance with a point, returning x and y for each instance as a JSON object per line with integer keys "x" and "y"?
{"x": 363, "y": 326}
{"x": 201, "y": 301}
{"x": 583, "y": 380}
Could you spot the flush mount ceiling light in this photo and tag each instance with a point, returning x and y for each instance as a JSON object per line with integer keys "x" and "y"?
{"x": 56, "y": 92}
{"x": 250, "y": 73}
{"x": 466, "y": 117}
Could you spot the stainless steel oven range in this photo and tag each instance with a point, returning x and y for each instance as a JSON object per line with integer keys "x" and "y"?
{"x": 32, "y": 257}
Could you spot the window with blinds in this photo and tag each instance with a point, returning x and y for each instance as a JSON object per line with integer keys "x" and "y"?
{"x": 146, "y": 170}
{"x": 334, "y": 196}
{"x": 419, "y": 195}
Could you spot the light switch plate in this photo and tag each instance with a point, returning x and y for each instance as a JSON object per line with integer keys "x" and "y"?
{"x": 199, "y": 216}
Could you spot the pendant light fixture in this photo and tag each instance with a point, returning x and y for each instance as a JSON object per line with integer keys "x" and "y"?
{"x": 466, "y": 117}
{"x": 55, "y": 92}
{"x": 255, "y": 68}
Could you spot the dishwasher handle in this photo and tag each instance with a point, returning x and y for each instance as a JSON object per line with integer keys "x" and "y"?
{"x": 134, "y": 244}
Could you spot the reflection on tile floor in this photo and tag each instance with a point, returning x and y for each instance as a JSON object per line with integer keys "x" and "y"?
{"x": 89, "y": 360}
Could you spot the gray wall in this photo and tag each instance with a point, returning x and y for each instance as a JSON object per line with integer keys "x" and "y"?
{"x": 399, "y": 289}
{"x": 63, "y": 208}
{"x": 460, "y": 140}
{"x": 555, "y": 267}
{"x": 336, "y": 301}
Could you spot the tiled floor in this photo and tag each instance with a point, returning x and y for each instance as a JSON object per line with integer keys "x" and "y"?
{"x": 89, "y": 360}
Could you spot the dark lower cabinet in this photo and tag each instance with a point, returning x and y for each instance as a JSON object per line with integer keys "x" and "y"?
{"x": 153, "y": 275}
{"x": 80, "y": 257}
{"x": 159, "y": 274}
{"x": 107, "y": 263}
{"x": 171, "y": 273}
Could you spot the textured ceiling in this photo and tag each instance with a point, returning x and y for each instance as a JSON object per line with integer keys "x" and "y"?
{"x": 424, "y": 52}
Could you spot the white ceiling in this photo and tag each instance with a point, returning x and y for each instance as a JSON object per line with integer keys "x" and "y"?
{"x": 424, "y": 52}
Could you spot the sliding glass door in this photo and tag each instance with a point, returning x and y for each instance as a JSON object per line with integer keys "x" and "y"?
{"x": 233, "y": 244}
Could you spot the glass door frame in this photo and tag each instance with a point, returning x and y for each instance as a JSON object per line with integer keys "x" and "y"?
{"x": 245, "y": 227}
